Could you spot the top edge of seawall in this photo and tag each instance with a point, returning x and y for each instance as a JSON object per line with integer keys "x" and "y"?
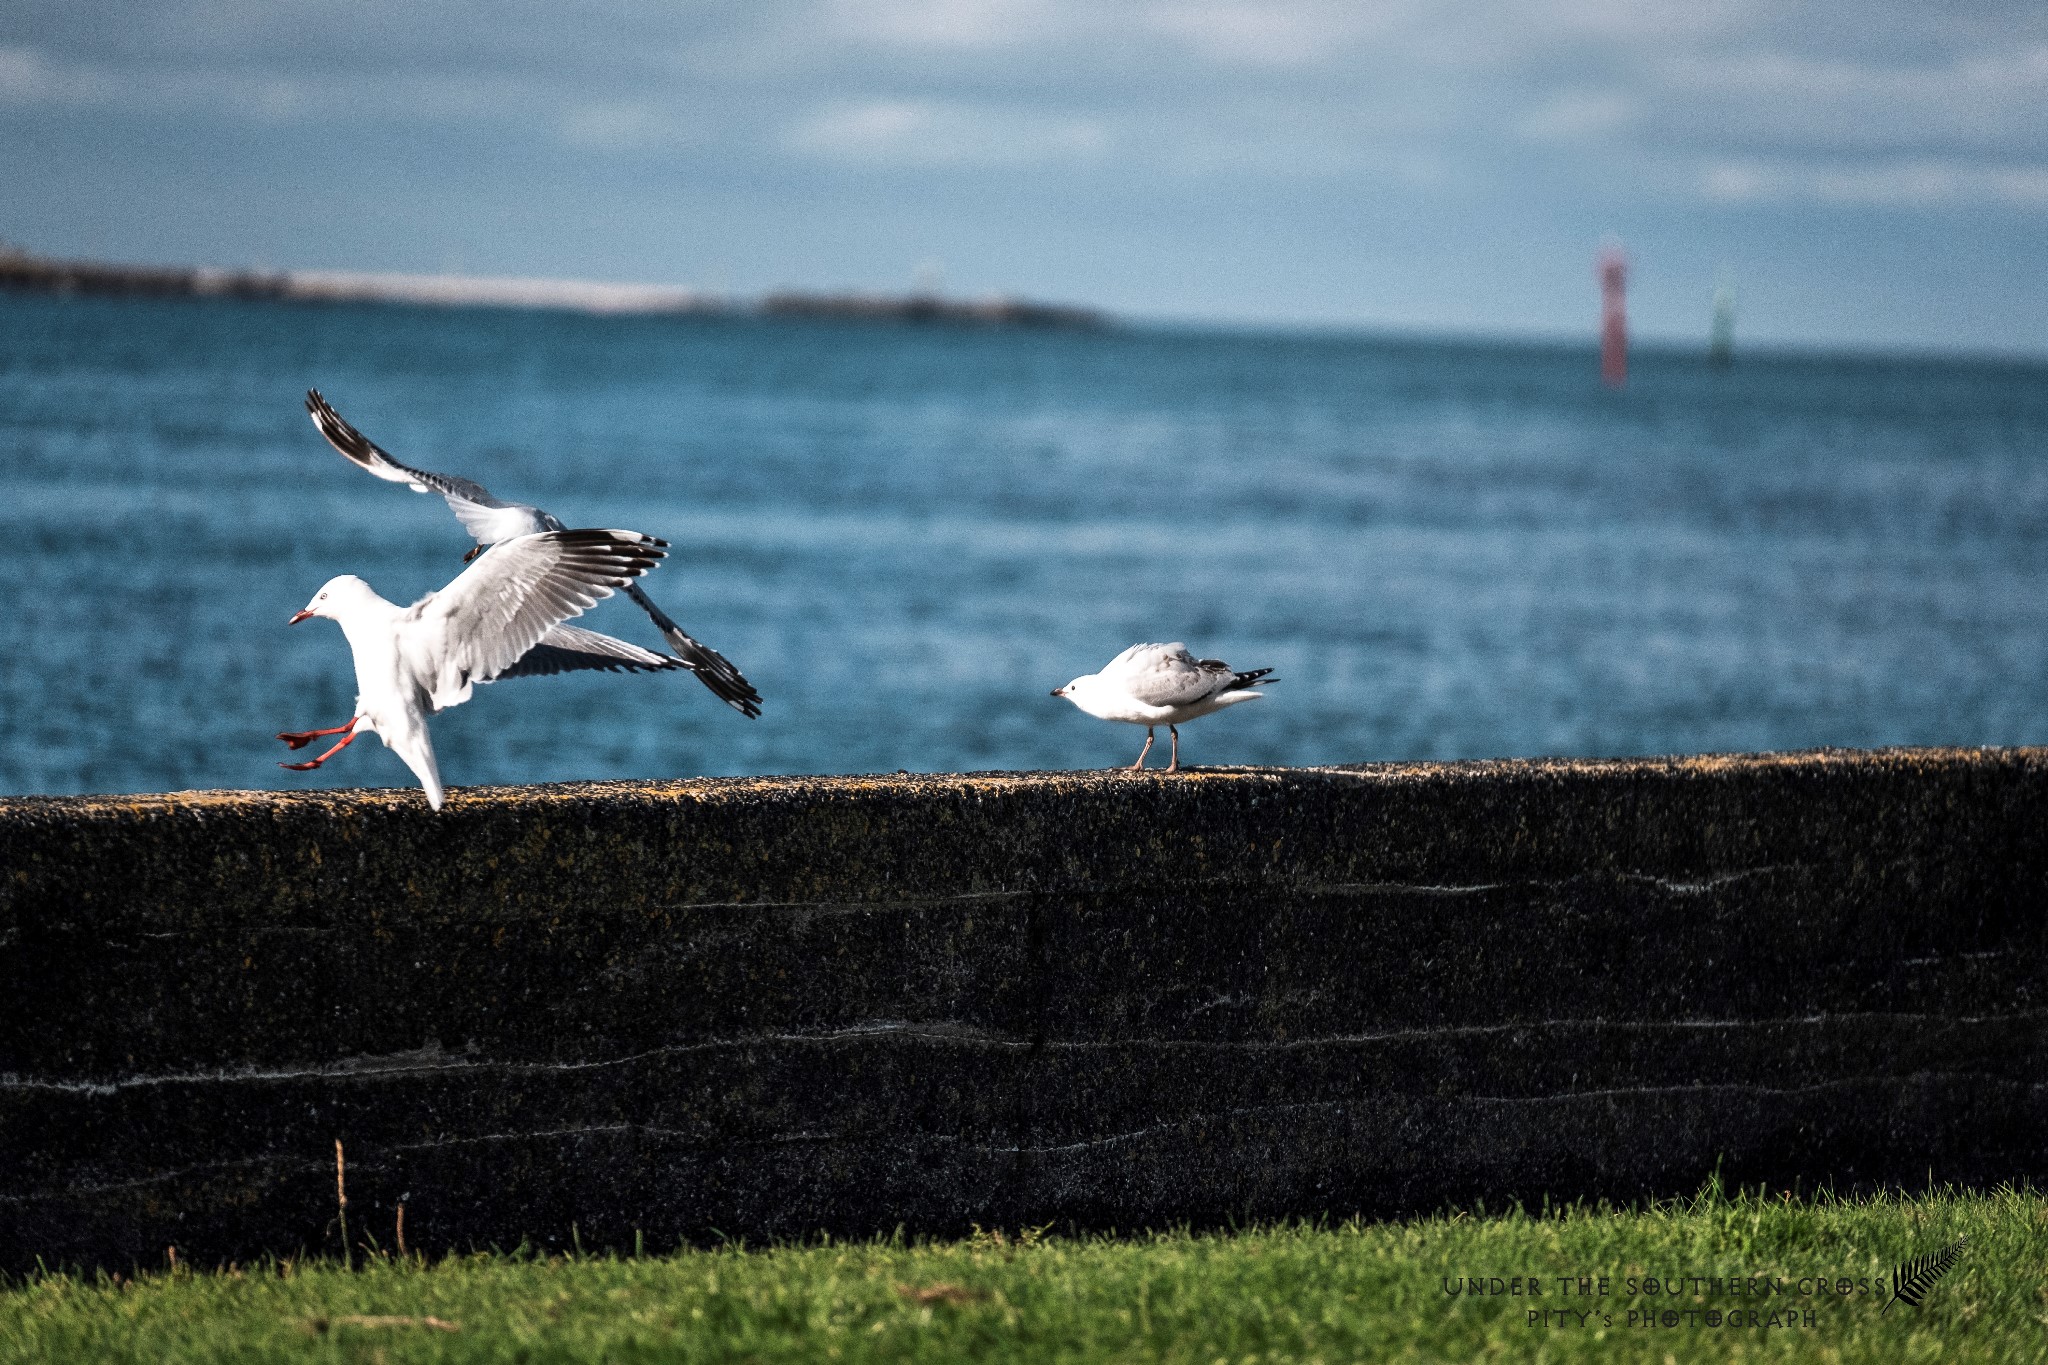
{"x": 721, "y": 790}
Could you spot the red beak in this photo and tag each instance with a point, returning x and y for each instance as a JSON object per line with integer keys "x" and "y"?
{"x": 298, "y": 617}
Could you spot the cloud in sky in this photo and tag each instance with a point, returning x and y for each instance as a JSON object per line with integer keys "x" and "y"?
{"x": 930, "y": 133}
{"x": 1907, "y": 183}
{"x": 1396, "y": 162}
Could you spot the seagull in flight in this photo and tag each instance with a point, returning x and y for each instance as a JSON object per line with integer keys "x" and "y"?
{"x": 491, "y": 520}
{"x": 1152, "y": 685}
{"x": 488, "y": 624}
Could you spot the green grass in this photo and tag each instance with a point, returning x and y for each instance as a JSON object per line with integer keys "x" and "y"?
{"x": 1358, "y": 1291}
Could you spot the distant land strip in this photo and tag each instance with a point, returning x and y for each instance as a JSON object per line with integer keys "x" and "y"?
{"x": 23, "y": 270}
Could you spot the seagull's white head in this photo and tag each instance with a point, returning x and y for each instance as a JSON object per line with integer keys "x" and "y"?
{"x": 336, "y": 595}
{"x": 1073, "y": 690}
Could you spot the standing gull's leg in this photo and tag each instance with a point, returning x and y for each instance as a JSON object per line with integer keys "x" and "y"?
{"x": 1173, "y": 764}
{"x": 1146, "y": 750}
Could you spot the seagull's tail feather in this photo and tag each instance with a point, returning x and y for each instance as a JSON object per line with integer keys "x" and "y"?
{"x": 417, "y": 749}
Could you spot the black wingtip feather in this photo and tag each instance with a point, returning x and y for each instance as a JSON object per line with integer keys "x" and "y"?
{"x": 351, "y": 444}
{"x": 716, "y": 672}
{"x": 615, "y": 557}
{"x": 1252, "y": 679}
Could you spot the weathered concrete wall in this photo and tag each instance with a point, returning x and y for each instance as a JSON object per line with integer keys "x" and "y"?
{"x": 770, "y": 1007}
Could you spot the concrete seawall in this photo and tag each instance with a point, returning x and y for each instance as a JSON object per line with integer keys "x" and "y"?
{"x": 768, "y": 1007}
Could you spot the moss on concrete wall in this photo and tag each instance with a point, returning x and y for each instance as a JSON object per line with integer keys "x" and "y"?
{"x": 772, "y": 1006}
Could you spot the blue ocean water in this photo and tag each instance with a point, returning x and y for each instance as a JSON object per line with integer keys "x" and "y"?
{"x": 906, "y": 537}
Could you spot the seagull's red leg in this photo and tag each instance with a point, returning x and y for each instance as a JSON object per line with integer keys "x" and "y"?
{"x": 474, "y": 551}
{"x": 1146, "y": 750}
{"x": 316, "y": 762}
{"x": 299, "y": 739}
{"x": 1173, "y": 764}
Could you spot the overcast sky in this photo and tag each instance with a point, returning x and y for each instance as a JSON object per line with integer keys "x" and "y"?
{"x": 1868, "y": 173}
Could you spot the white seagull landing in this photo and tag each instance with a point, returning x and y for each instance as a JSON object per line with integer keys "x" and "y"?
{"x": 490, "y": 520}
{"x": 489, "y": 623}
{"x": 1152, "y": 685}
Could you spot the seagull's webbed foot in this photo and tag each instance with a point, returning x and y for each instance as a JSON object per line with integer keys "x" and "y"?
{"x": 300, "y": 739}
{"x": 474, "y": 551}
{"x": 1142, "y": 752}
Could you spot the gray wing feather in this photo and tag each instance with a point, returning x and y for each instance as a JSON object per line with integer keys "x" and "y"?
{"x": 1167, "y": 675}
{"x": 569, "y": 649}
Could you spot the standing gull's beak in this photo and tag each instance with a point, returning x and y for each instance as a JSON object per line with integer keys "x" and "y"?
{"x": 299, "y": 616}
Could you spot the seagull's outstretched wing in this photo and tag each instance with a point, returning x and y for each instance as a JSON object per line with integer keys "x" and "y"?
{"x": 569, "y": 649}
{"x": 490, "y": 520}
{"x": 487, "y": 519}
{"x": 505, "y": 603}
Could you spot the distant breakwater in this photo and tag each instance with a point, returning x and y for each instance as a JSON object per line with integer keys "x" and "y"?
{"x": 767, "y": 1007}
{"x": 24, "y": 271}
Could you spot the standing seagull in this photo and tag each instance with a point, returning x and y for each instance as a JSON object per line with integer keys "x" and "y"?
{"x": 414, "y": 661}
{"x": 1152, "y": 685}
{"x": 490, "y": 520}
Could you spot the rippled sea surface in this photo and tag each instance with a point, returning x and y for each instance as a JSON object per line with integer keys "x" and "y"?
{"x": 907, "y": 537}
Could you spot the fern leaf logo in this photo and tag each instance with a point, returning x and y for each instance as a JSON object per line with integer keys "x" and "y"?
{"x": 1914, "y": 1278}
